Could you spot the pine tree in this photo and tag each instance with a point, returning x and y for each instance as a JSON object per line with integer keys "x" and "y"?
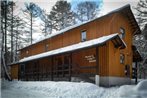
{"x": 47, "y": 24}
{"x": 87, "y": 10}
{"x": 61, "y": 15}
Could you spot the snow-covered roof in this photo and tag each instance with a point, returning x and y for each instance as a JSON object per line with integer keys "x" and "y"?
{"x": 80, "y": 24}
{"x": 74, "y": 47}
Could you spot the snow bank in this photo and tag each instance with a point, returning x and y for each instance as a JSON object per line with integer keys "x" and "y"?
{"x": 48, "y": 89}
{"x": 142, "y": 86}
{"x": 132, "y": 91}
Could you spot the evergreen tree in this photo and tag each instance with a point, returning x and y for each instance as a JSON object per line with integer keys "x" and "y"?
{"x": 61, "y": 15}
{"x": 87, "y": 10}
{"x": 47, "y": 24}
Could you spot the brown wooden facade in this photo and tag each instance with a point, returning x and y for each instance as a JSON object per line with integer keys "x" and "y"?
{"x": 103, "y": 60}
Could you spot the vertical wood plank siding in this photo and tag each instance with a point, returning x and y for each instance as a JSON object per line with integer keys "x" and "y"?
{"x": 103, "y": 61}
{"x": 93, "y": 29}
{"x": 14, "y": 71}
{"x": 115, "y": 67}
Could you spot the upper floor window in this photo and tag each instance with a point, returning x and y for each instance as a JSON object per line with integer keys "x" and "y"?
{"x": 46, "y": 47}
{"x": 83, "y": 36}
{"x": 122, "y": 32}
{"x": 27, "y": 52}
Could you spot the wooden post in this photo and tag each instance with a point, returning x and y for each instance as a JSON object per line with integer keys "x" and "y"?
{"x": 52, "y": 75}
{"x": 70, "y": 66}
{"x": 38, "y": 70}
{"x": 136, "y": 73}
{"x": 19, "y": 76}
{"x": 97, "y": 65}
{"x": 42, "y": 71}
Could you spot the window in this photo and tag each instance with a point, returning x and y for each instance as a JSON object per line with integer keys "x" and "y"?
{"x": 22, "y": 68}
{"x": 27, "y": 52}
{"x": 66, "y": 62}
{"x": 59, "y": 61}
{"x": 83, "y": 36}
{"x": 46, "y": 47}
{"x": 122, "y": 32}
{"x": 122, "y": 58}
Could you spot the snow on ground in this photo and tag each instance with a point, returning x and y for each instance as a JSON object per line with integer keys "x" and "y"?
{"x": 48, "y": 89}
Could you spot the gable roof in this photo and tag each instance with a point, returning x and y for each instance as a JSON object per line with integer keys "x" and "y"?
{"x": 81, "y": 45}
{"x": 126, "y": 10}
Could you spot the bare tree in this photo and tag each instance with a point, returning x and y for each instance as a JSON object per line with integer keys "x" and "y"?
{"x": 141, "y": 40}
{"x": 34, "y": 11}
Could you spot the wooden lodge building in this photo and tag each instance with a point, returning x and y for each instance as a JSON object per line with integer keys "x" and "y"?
{"x": 103, "y": 47}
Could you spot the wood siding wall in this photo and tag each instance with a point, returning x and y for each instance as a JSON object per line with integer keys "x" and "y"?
{"x": 103, "y": 60}
{"x": 94, "y": 29}
{"x": 14, "y": 71}
{"x": 115, "y": 67}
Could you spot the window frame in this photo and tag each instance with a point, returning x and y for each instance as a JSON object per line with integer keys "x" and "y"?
{"x": 83, "y": 35}
{"x": 46, "y": 47}
{"x": 122, "y": 32}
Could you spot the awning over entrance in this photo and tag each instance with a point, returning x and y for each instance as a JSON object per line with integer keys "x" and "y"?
{"x": 136, "y": 55}
{"x": 117, "y": 41}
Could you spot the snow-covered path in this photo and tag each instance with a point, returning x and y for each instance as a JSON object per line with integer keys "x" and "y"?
{"x": 48, "y": 89}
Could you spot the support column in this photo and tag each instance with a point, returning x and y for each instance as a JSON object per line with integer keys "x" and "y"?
{"x": 97, "y": 65}
{"x": 52, "y": 70}
{"x": 70, "y": 67}
{"x": 136, "y": 73}
{"x": 38, "y": 71}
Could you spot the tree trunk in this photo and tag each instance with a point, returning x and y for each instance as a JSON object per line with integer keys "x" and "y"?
{"x": 12, "y": 58}
{"x": 5, "y": 34}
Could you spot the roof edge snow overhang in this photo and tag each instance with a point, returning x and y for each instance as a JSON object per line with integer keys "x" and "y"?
{"x": 79, "y": 46}
{"x": 126, "y": 10}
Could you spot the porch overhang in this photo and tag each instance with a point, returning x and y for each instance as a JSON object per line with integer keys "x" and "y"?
{"x": 118, "y": 42}
{"x": 136, "y": 55}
